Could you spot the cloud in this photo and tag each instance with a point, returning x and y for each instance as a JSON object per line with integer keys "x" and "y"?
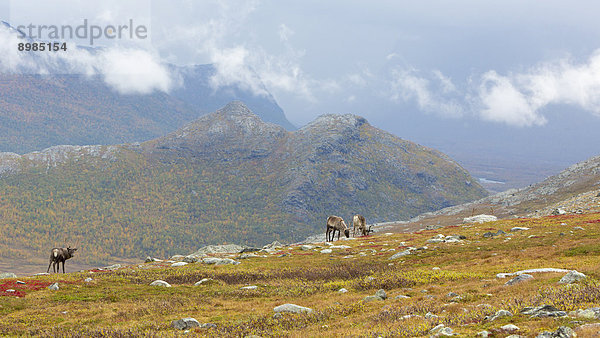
{"x": 515, "y": 99}
{"x": 502, "y": 102}
{"x": 519, "y": 98}
{"x": 433, "y": 93}
{"x": 128, "y": 71}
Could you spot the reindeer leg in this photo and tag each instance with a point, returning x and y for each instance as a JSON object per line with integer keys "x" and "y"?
{"x": 63, "y": 266}
{"x": 49, "y": 267}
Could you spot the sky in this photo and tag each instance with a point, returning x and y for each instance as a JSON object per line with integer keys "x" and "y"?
{"x": 519, "y": 79}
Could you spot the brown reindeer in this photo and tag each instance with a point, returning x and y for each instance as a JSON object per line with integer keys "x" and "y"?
{"x": 58, "y": 255}
{"x": 359, "y": 222}
{"x": 335, "y": 223}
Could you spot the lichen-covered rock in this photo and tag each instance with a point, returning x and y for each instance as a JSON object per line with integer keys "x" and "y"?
{"x": 292, "y": 308}
{"x": 185, "y": 323}
{"x": 162, "y": 283}
{"x": 571, "y": 277}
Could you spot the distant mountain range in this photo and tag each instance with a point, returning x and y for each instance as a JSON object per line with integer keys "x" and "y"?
{"x": 39, "y": 111}
{"x": 228, "y": 177}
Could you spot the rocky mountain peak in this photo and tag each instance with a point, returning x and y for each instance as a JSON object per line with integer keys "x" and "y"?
{"x": 329, "y": 121}
{"x": 233, "y": 108}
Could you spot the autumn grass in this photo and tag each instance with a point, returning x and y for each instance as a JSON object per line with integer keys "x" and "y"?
{"x": 122, "y": 303}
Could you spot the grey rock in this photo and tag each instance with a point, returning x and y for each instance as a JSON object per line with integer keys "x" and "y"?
{"x": 488, "y": 235}
{"x": 591, "y": 313}
{"x": 371, "y": 298}
{"x": 148, "y": 259}
{"x": 483, "y": 334}
{"x": 274, "y": 245}
{"x": 578, "y": 228}
{"x": 219, "y": 261}
{"x": 247, "y": 255}
{"x": 208, "y": 325}
{"x": 185, "y": 323}
{"x": 277, "y": 315}
{"x": 162, "y": 283}
{"x": 561, "y": 332}
{"x": 558, "y": 211}
{"x": 191, "y": 259}
{"x": 452, "y": 294}
{"x": 249, "y": 287}
{"x": 500, "y": 314}
{"x": 480, "y": 219}
{"x": 21, "y": 282}
{"x": 292, "y": 308}
{"x": 519, "y": 279}
{"x": 381, "y": 294}
{"x": 176, "y": 264}
{"x": 571, "y": 277}
{"x": 41, "y": 274}
{"x": 543, "y": 311}
{"x": 342, "y": 290}
{"x": 88, "y": 280}
{"x": 510, "y": 328}
{"x": 518, "y": 229}
{"x": 54, "y": 287}
{"x": 10, "y": 290}
{"x": 430, "y": 315}
{"x": 219, "y": 249}
{"x": 307, "y": 247}
{"x": 177, "y": 257}
{"x": 400, "y": 254}
{"x": 538, "y": 270}
{"x": 112, "y": 267}
{"x": 401, "y": 297}
{"x": 326, "y": 251}
{"x": 7, "y": 275}
{"x": 202, "y": 281}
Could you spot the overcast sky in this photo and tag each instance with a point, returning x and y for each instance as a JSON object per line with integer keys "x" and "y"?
{"x": 493, "y": 63}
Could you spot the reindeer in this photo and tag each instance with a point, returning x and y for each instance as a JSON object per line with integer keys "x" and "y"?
{"x": 58, "y": 255}
{"x": 335, "y": 223}
{"x": 359, "y": 222}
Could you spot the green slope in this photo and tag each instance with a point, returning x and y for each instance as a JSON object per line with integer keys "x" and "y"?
{"x": 227, "y": 177}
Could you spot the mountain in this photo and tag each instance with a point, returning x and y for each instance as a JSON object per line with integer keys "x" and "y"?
{"x": 39, "y": 111}
{"x": 226, "y": 177}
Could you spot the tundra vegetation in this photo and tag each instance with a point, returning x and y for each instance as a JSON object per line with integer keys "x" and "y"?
{"x": 121, "y": 302}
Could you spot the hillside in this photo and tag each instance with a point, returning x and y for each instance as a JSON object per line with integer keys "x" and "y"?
{"x": 227, "y": 177}
{"x": 39, "y": 111}
{"x": 389, "y": 285}
{"x": 574, "y": 190}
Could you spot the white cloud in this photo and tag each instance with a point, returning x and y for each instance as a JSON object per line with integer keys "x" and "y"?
{"x": 129, "y": 71}
{"x": 502, "y": 102}
{"x": 135, "y": 72}
{"x": 432, "y": 94}
{"x": 519, "y": 98}
{"x": 285, "y": 33}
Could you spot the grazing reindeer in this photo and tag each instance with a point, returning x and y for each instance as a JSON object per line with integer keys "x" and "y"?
{"x": 359, "y": 222}
{"x": 58, "y": 255}
{"x": 335, "y": 223}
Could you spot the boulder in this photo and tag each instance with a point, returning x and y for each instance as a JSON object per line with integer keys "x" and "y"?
{"x": 558, "y": 211}
{"x": 561, "y": 332}
{"x": 518, "y": 229}
{"x": 326, "y": 251}
{"x": 400, "y": 254}
{"x": 307, "y": 247}
{"x": 292, "y": 308}
{"x": 480, "y": 219}
{"x": 510, "y": 328}
{"x": 571, "y": 277}
{"x": 177, "y": 258}
{"x": 191, "y": 259}
{"x": 219, "y": 261}
{"x": 185, "y": 323}
{"x": 500, "y": 314}
{"x": 519, "y": 278}
{"x": 88, "y": 280}
{"x": 203, "y": 281}
{"x": 178, "y": 264}
{"x": 219, "y": 249}
{"x": 162, "y": 283}
{"x": 381, "y": 294}
{"x": 543, "y": 311}
{"x": 53, "y": 287}
{"x": 249, "y": 287}
{"x": 342, "y": 290}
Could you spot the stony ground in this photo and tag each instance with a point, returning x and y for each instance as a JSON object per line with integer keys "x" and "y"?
{"x": 463, "y": 279}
